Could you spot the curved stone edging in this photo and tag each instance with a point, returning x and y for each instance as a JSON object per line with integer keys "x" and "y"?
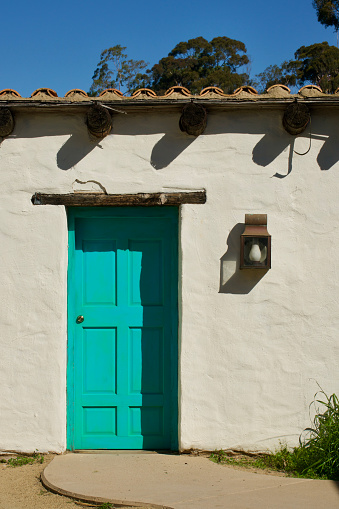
{"x": 95, "y": 500}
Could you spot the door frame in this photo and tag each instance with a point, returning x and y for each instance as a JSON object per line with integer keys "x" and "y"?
{"x": 116, "y": 212}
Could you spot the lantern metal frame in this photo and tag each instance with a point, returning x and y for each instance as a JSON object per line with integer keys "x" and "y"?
{"x": 255, "y": 230}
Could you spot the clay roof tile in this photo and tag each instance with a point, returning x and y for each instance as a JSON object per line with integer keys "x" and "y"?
{"x": 247, "y": 89}
{"x": 8, "y": 93}
{"x": 212, "y": 91}
{"x": 77, "y": 92}
{"x": 310, "y": 91}
{"x": 278, "y": 85}
{"x": 44, "y": 93}
{"x": 142, "y": 93}
{"x": 278, "y": 90}
{"x": 177, "y": 91}
{"x": 111, "y": 93}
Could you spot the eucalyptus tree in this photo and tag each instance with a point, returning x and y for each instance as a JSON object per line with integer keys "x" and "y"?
{"x": 198, "y": 63}
{"x": 328, "y": 13}
{"x": 115, "y": 70}
{"x": 316, "y": 64}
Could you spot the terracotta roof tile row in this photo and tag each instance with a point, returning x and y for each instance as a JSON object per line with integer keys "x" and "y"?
{"x": 176, "y": 92}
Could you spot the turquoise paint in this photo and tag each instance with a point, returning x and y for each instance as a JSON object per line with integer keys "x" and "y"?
{"x": 122, "y": 388}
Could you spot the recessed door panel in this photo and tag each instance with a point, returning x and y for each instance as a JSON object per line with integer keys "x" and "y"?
{"x": 99, "y": 288}
{"x": 146, "y": 376}
{"x": 146, "y": 261}
{"x": 99, "y": 360}
{"x": 99, "y": 421}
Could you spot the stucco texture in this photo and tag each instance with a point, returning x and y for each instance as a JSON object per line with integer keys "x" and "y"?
{"x": 253, "y": 344}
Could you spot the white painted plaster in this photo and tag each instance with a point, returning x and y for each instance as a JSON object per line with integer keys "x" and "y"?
{"x": 251, "y": 350}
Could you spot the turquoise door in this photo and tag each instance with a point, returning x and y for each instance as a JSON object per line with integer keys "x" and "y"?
{"x": 123, "y": 321}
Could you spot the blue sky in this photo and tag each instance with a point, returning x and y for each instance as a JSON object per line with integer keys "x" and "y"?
{"x": 58, "y": 44}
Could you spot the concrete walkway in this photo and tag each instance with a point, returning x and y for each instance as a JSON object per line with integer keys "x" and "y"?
{"x": 181, "y": 482}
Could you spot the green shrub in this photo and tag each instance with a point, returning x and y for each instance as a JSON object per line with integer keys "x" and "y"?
{"x": 219, "y": 456}
{"x": 25, "y": 460}
{"x": 321, "y": 446}
{"x": 317, "y": 455}
{"x": 20, "y": 460}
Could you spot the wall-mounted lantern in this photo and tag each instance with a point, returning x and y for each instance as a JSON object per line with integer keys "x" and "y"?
{"x": 255, "y": 243}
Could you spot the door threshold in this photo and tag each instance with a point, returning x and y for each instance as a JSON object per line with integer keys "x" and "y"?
{"x": 120, "y": 451}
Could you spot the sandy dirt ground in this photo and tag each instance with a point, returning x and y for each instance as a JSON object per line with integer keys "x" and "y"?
{"x": 20, "y": 488}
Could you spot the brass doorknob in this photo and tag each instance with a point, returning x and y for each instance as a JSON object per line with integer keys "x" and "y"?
{"x": 80, "y": 319}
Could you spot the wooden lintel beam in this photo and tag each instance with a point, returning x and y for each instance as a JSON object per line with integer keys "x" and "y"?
{"x": 119, "y": 200}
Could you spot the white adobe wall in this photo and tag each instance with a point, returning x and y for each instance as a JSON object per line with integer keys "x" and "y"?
{"x": 251, "y": 350}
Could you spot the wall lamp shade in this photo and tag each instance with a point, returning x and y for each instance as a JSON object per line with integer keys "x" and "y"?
{"x": 255, "y": 243}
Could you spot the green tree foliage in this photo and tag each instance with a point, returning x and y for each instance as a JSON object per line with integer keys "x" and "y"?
{"x": 197, "y": 64}
{"x": 273, "y": 75}
{"x": 327, "y": 12}
{"x": 115, "y": 71}
{"x": 317, "y": 64}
